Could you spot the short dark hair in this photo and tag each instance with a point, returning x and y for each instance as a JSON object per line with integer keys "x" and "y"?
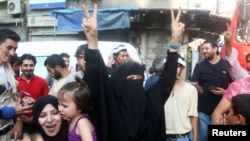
{"x": 64, "y": 54}
{"x": 240, "y": 105}
{"x": 28, "y": 56}
{"x": 8, "y": 34}
{"x": 14, "y": 59}
{"x": 54, "y": 60}
{"x": 80, "y": 49}
{"x": 158, "y": 64}
{"x": 151, "y": 70}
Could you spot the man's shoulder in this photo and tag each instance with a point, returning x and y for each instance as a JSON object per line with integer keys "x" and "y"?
{"x": 202, "y": 61}
{"x": 19, "y": 78}
{"x": 189, "y": 85}
{"x": 154, "y": 76}
{"x": 39, "y": 78}
{"x": 223, "y": 59}
{"x": 223, "y": 63}
{"x": 79, "y": 74}
{"x": 71, "y": 77}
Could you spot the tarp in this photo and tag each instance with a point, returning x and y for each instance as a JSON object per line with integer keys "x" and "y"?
{"x": 112, "y": 18}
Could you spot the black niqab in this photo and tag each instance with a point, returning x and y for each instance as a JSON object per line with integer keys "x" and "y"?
{"x": 131, "y": 99}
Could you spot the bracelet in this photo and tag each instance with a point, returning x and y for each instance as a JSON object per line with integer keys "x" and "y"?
{"x": 174, "y": 46}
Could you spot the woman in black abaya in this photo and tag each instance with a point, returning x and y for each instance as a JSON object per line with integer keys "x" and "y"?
{"x": 127, "y": 85}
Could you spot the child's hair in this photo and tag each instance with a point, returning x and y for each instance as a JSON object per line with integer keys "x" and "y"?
{"x": 80, "y": 94}
{"x": 240, "y": 105}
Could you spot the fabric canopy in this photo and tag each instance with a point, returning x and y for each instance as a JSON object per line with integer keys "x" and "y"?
{"x": 112, "y": 18}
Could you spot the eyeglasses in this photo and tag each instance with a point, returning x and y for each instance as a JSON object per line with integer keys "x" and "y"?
{"x": 81, "y": 57}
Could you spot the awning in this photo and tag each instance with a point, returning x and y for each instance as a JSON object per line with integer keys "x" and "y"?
{"x": 112, "y": 18}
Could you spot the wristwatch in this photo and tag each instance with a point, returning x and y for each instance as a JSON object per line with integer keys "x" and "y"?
{"x": 174, "y": 46}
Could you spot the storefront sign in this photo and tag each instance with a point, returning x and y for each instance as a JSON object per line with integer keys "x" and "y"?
{"x": 45, "y": 4}
{"x": 42, "y": 21}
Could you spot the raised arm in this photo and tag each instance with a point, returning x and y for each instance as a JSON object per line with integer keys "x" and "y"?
{"x": 89, "y": 25}
{"x": 167, "y": 79}
{"x": 96, "y": 76}
{"x": 227, "y": 36}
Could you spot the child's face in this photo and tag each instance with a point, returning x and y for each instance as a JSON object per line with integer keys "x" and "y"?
{"x": 67, "y": 107}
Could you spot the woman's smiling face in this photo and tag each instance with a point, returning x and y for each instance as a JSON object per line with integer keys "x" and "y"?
{"x": 50, "y": 120}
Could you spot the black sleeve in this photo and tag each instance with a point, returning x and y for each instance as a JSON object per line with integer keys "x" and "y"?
{"x": 156, "y": 97}
{"x": 96, "y": 77}
{"x": 168, "y": 77}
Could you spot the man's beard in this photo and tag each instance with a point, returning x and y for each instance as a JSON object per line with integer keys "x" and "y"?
{"x": 57, "y": 75}
{"x": 210, "y": 56}
{"x": 28, "y": 74}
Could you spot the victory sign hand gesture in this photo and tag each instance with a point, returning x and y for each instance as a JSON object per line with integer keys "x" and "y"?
{"x": 177, "y": 27}
{"x": 89, "y": 25}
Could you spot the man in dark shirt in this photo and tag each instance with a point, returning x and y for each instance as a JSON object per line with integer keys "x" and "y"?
{"x": 211, "y": 71}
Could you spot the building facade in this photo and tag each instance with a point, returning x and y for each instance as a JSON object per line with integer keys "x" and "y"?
{"x": 149, "y": 21}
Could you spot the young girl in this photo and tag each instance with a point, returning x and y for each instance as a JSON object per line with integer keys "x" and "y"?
{"x": 74, "y": 105}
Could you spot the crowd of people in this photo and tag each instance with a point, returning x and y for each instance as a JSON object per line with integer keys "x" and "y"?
{"x": 109, "y": 102}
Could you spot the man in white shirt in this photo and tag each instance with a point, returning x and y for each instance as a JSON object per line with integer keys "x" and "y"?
{"x": 8, "y": 85}
{"x": 57, "y": 69}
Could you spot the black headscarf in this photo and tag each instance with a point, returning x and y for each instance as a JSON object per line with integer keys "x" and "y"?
{"x": 40, "y": 103}
{"x": 131, "y": 99}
